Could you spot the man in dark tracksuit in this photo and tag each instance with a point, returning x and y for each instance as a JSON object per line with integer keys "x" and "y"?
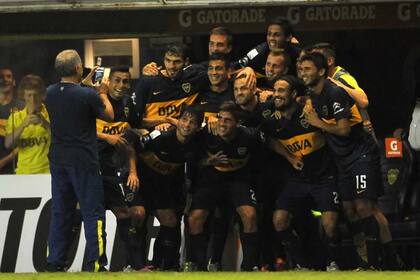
{"x": 74, "y": 164}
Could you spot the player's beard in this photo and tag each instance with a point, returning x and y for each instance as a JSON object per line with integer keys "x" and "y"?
{"x": 311, "y": 82}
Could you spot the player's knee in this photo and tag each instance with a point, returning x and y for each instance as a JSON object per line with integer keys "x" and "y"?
{"x": 329, "y": 228}
{"x": 137, "y": 215}
{"x": 169, "y": 220}
{"x": 249, "y": 220}
{"x": 280, "y": 223}
{"x": 196, "y": 222}
{"x": 121, "y": 213}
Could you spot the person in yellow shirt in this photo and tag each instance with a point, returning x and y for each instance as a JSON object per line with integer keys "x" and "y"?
{"x": 28, "y": 130}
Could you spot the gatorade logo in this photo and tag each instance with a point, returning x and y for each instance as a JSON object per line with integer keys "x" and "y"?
{"x": 393, "y": 148}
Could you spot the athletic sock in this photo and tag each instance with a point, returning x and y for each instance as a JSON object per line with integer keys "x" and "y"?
{"x": 123, "y": 226}
{"x": 249, "y": 241}
{"x": 169, "y": 246}
{"x": 334, "y": 248}
{"x": 198, "y": 252}
{"x": 220, "y": 228}
{"x": 371, "y": 230}
{"x": 136, "y": 243}
{"x": 293, "y": 245}
{"x": 359, "y": 242}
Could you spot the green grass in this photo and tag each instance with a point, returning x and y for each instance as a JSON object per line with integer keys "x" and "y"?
{"x": 415, "y": 275}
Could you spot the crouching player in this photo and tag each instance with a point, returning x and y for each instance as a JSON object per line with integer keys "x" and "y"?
{"x": 226, "y": 177}
{"x": 161, "y": 160}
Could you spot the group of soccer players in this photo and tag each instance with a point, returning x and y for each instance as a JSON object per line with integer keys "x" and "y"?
{"x": 262, "y": 141}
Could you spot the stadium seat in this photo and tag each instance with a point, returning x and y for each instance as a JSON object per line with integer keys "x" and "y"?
{"x": 400, "y": 204}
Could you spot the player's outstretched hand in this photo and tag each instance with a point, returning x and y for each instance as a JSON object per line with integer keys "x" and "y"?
{"x": 212, "y": 125}
{"x": 264, "y": 95}
{"x": 251, "y": 78}
{"x": 163, "y": 126}
{"x": 151, "y": 69}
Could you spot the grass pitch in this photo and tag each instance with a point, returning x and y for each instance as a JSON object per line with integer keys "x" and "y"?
{"x": 309, "y": 275}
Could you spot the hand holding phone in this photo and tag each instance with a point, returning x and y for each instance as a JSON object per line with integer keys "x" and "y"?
{"x": 99, "y": 75}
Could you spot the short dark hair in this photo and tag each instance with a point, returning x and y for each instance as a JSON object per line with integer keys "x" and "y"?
{"x": 219, "y": 56}
{"x": 285, "y": 26}
{"x": 232, "y": 108}
{"x": 327, "y": 49}
{"x": 119, "y": 68}
{"x": 318, "y": 60}
{"x": 221, "y": 30}
{"x": 177, "y": 49}
{"x": 66, "y": 62}
{"x": 294, "y": 84}
{"x": 32, "y": 82}
{"x": 281, "y": 52}
{"x": 194, "y": 112}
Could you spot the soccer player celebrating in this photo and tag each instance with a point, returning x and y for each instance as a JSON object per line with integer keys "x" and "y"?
{"x": 314, "y": 181}
{"x": 355, "y": 151}
{"x": 162, "y": 157}
{"x": 159, "y": 98}
{"x": 220, "y": 89}
{"x": 226, "y": 176}
{"x": 120, "y": 180}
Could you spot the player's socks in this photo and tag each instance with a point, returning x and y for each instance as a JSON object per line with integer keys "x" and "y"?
{"x": 371, "y": 230}
{"x": 169, "y": 245}
{"x": 220, "y": 227}
{"x": 249, "y": 242}
{"x": 198, "y": 243}
{"x": 359, "y": 241}
{"x": 136, "y": 243}
{"x": 333, "y": 246}
{"x": 123, "y": 226}
{"x": 293, "y": 245}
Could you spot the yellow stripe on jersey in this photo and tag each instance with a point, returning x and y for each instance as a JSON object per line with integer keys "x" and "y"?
{"x": 170, "y": 108}
{"x": 355, "y": 118}
{"x": 232, "y": 165}
{"x": 304, "y": 144}
{"x": 111, "y": 127}
{"x": 157, "y": 165}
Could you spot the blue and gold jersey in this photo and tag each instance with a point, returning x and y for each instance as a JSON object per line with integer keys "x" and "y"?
{"x": 164, "y": 155}
{"x": 302, "y": 140}
{"x": 125, "y": 116}
{"x": 244, "y": 151}
{"x": 334, "y": 104}
{"x": 159, "y": 97}
{"x": 209, "y": 101}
